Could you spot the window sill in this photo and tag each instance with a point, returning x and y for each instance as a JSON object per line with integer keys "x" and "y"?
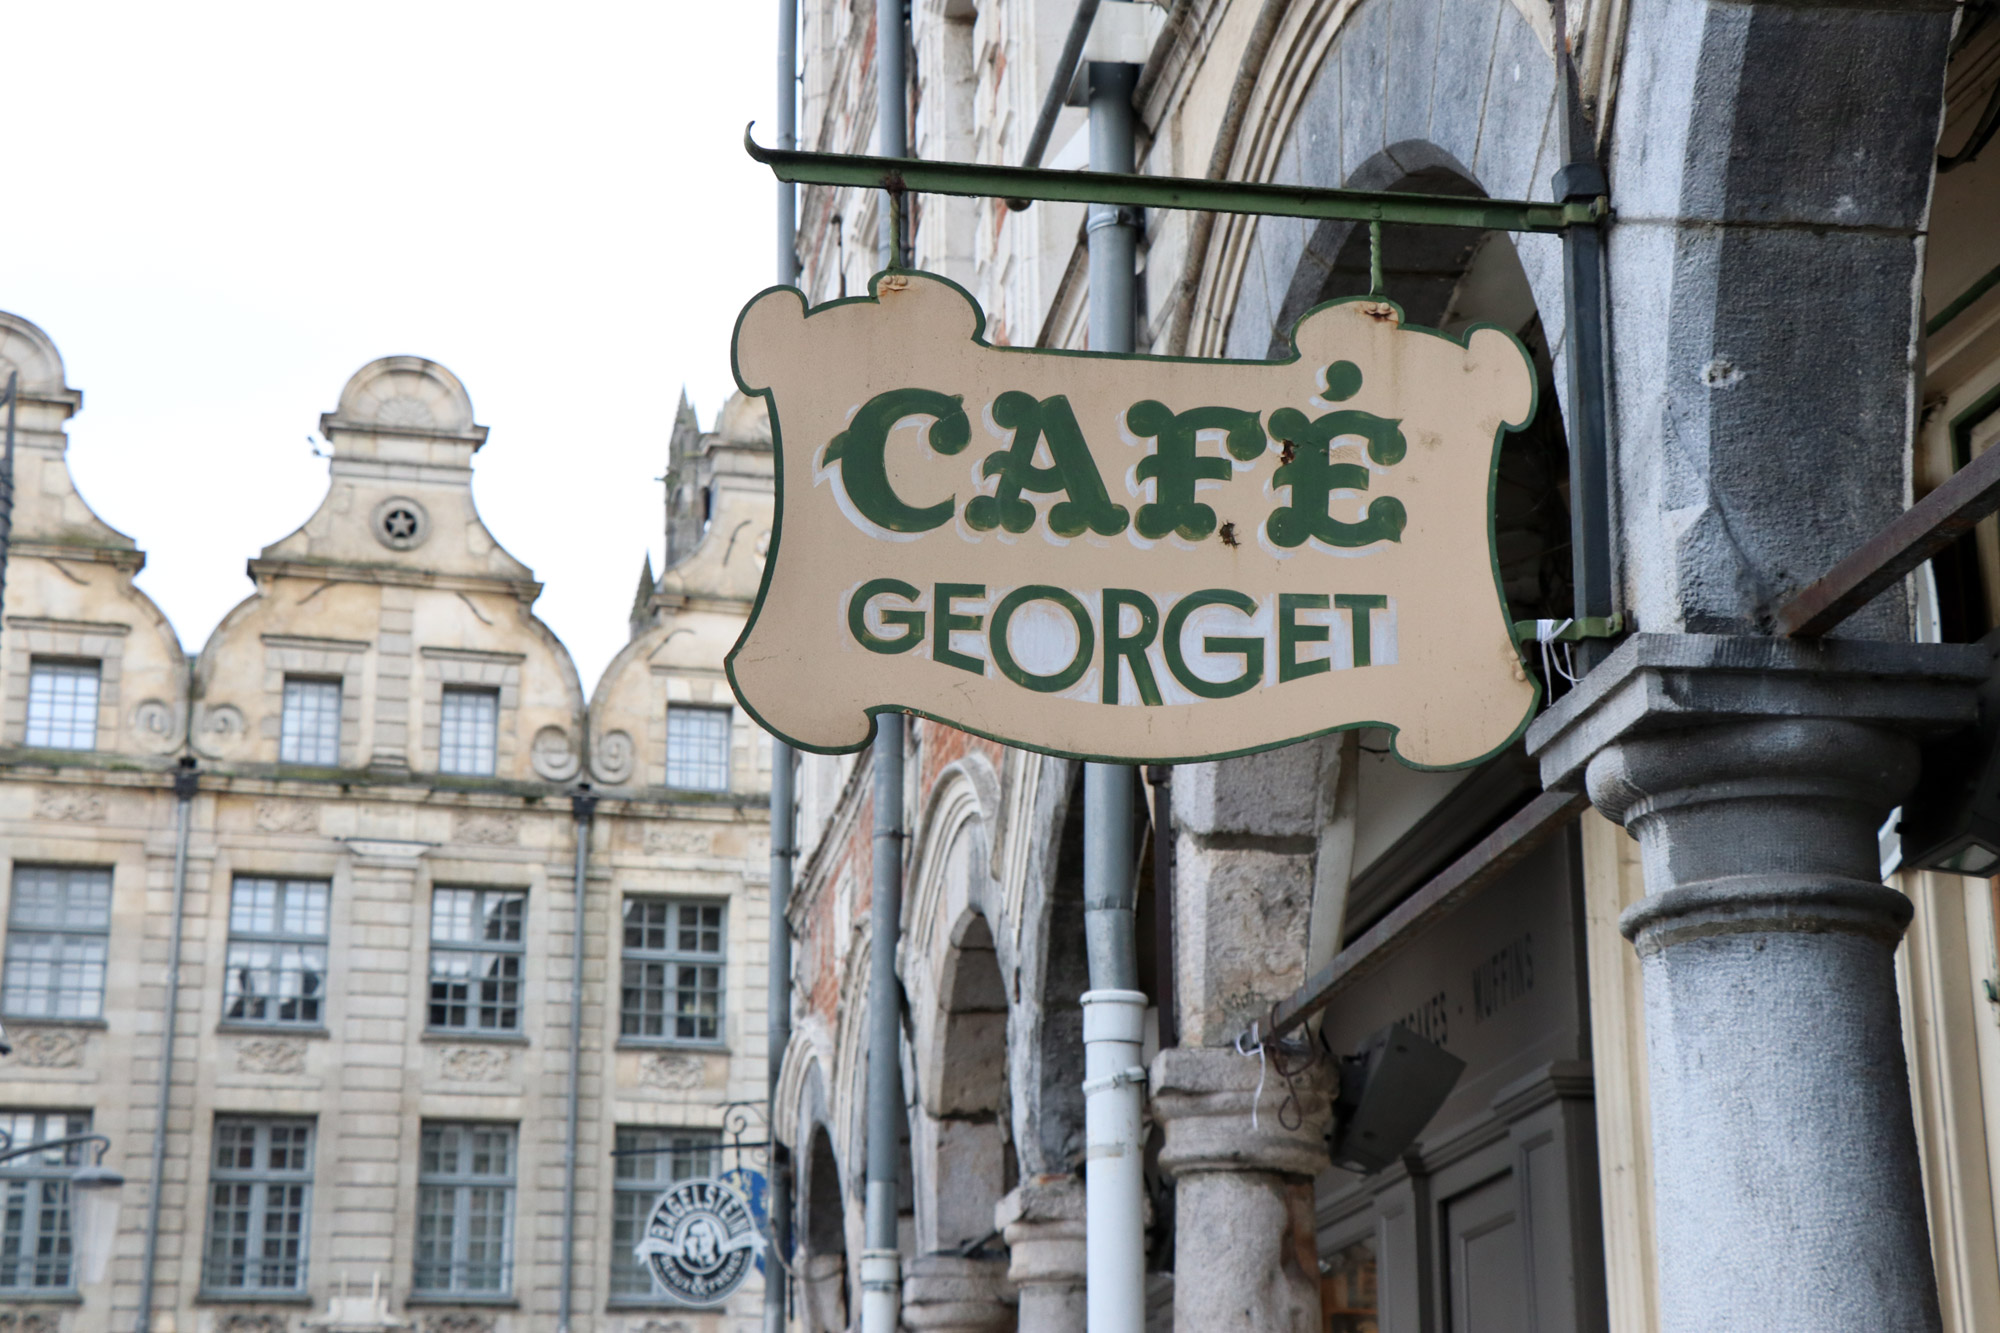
{"x": 495, "y": 1301}
{"x": 53, "y": 1021}
{"x": 492, "y": 1038}
{"x": 299, "y": 1298}
{"x": 272, "y": 1029}
{"x": 672, "y": 1044}
{"x": 41, "y": 1296}
{"x": 634, "y": 1304}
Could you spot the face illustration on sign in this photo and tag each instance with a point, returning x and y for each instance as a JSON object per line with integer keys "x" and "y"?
{"x": 1130, "y": 558}
{"x": 700, "y": 1241}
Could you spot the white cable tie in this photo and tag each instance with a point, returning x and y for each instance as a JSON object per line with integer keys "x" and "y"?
{"x": 1258, "y": 1051}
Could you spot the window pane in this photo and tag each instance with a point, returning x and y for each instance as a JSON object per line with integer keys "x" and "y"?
{"x": 260, "y": 1192}
{"x": 465, "y": 1202}
{"x": 62, "y": 705}
{"x": 698, "y": 748}
{"x": 34, "y": 1202}
{"x": 467, "y": 732}
{"x": 671, "y": 976}
{"x": 275, "y": 968}
{"x": 640, "y": 1173}
{"x": 310, "y": 732}
{"x": 61, "y": 898}
{"x": 476, "y": 958}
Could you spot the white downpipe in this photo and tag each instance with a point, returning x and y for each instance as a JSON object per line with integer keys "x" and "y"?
{"x": 1114, "y": 1084}
{"x": 881, "y": 1290}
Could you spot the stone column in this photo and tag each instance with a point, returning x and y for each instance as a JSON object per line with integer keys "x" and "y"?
{"x": 1755, "y": 773}
{"x": 1042, "y": 1221}
{"x": 1245, "y": 1255}
{"x": 1247, "y": 833}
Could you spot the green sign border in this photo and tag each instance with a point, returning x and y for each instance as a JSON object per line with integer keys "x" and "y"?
{"x": 979, "y": 338}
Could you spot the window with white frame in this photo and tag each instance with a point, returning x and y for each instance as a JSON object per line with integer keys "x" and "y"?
{"x": 698, "y": 748}
{"x": 309, "y": 731}
{"x": 648, "y": 1162}
{"x": 259, "y": 1206}
{"x": 275, "y": 970}
{"x": 465, "y": 1210}
{"x": 672, "y": 974}
{"x": 478, "y": 942}
{"x": 62, "y": 704}
{"x": 35, "y": 1238}
{"x": 58, "y": 933}
{"x": 468, "y": 731}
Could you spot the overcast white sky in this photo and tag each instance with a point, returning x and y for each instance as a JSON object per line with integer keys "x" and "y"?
{"x": 220, "y": 211}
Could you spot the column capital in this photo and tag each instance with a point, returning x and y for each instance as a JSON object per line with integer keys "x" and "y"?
{"x": 1042, "y": 1220}
{"x": 1657, "y": 683}
{"x": 1205, "y": 1096}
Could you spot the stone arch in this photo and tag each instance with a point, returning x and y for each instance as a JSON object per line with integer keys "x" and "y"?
{"x": 27, "y": 351}
{"x": 822, "y": 1233}
{"x": 1450, "y": 278}
{"x": 1364, "y": 96}
{"x": 405, "y": 394}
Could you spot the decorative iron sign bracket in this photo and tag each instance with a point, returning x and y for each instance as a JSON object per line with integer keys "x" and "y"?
{"x": 980, "y": 180}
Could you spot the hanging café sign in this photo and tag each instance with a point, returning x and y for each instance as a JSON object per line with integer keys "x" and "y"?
{"x": 1130, "y": 558}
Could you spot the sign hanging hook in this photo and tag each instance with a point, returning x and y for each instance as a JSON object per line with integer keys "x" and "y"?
{"x": 1375, "y": 259}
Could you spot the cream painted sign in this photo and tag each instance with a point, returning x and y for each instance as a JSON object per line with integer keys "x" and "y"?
{"x": 1130, "y": 558}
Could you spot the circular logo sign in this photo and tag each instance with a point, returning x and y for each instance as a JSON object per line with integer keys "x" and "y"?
{"x": 700, "y": 1240}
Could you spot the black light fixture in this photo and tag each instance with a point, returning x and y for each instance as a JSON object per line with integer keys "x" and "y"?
{"x": 1389, "y": 1090}
{"x": 1951, "y": 821}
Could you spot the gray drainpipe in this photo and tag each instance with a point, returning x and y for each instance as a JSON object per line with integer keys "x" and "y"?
{"x": 1114, "y": 1009}
{"x": 184, "y": 788}
{"x": 583, "y": 808}
{"x": 881, "y": 1259}
{"x": 779, "y": 1003}
{"x": 778, "y": 997}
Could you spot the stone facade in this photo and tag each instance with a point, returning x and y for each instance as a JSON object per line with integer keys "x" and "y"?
{"x": 1589, "y": 1170}
{"x": 430, "y": 761}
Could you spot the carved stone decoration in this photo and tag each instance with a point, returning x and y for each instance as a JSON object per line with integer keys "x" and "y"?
{"x": 152, "y": 723}
{"x": 49, "y": 1048}
{"x": 475, "y": 1064}
{"x": 458, "y": 1321}
{"x": 672, "y": 1070}
{"x": 81, "y": 807}
{"x": 219, "y": 729}
{"x": 286, "y": 817}
{"x": 679, "y": 842}
{"x": 251, "y": 1321}
{"x": 271, "y": 1055}
{"x": 553, "y": 756}
{"x": 614, "y": 757}
{"x": 489, "y": 828}
{"x": 30, "y": 1321}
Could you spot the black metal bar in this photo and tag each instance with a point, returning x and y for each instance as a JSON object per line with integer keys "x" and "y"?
{"x": 1582, "y": 178}
{"x": 1161, "y": 778}
{"x": 982, "y": 180}
{"x": 1914, "y": 536}
{"x": 68, "y": 1140}
{"x": 1488, "y": 859}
